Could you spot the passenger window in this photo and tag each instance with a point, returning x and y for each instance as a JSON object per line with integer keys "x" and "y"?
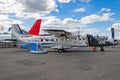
{"x": 83, "y": 38}
{"x": 47, "y": 39}
{"x": 56, "y": 39}
{"x": 73, "y": 39}
{"x": 41, "y": 40}
{"x": 52, "y": 40}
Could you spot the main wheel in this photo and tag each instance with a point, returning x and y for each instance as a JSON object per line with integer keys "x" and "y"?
{"x": 102, "y": 49}
{"x": 60, "y": 50}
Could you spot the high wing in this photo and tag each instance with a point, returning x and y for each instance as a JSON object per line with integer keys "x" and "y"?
{"x": 58, "y": 33}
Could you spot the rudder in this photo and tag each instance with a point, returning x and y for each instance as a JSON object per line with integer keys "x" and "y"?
{"x": 35, "y": 30}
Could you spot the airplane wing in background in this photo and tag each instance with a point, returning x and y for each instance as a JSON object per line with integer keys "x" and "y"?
{"x": 58, "y": 33}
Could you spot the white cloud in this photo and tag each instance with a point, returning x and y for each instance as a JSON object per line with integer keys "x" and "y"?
{"x": 4, "y": 17}
{"x": 53, "y": 21}
{"x": 36, "y": 8}
{"x": 39, "y": 6}
{"x": 72, "y": 24}
{"x": 69, "y": 21}
{"x": 116, "y": 26}
{"x": 80, "y": 10}
{"x": 108, "y": 10}
{"x": 104, "y": 10}
{"x": 67, "y": 24}
{"x": 11, "y": 9}
{"x": 90, "y": 19}
{"x": 6, "y": 21}
{"x": 106, "y": 16}
{"x": 85, "y": 1}
{"x": 29, "y": 15}
{"x": 10, "y": 6}
{"x": 64, "y": 1}
{"x": 96, "y": 18}
{"x": 25, "y": 8}
{"x": 118, "y": 37}
{"x": 89, "y": 31}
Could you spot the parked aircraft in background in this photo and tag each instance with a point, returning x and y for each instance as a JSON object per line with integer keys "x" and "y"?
{"x": 58, "y": 39}
{"x": 68, "y": 40}
{"x": 4, "y": 36}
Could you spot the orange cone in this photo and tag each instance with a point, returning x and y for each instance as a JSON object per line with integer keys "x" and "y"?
{"x": 94, "y": 49}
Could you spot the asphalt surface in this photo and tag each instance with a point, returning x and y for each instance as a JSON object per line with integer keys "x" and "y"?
{"x": 73, "y": 64}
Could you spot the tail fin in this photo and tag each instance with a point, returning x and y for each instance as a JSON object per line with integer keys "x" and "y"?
{"x": 35, "y": 28}
{"x": 17, "y": 32}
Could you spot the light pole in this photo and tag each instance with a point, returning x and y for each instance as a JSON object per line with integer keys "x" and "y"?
{"x": 2, "y": 29}
{"x": 78, "y": 33}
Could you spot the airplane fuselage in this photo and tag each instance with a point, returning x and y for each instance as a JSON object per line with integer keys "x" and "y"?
{"x": 51, "y": 41}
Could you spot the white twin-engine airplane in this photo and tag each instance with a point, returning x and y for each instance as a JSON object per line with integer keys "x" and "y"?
{"x": 58, "y": 39}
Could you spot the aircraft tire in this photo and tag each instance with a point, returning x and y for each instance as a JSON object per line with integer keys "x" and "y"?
{"x": 60, "y": 50}
{"x": 102, "y": 49}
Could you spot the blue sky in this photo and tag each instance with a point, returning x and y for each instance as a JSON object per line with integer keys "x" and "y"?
{"x": 89, "y": 16}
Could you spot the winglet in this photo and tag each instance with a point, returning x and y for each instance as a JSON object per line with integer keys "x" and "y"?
{"x": 35, "y": 28}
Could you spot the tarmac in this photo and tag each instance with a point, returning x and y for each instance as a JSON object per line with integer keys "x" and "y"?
{"x": 74, "y": 64}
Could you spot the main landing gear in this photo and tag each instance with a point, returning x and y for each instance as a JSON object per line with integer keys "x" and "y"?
{"x": 60, "y": 50}
{"x": 102, "y": 48}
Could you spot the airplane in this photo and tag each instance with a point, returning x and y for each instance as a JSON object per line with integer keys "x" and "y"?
{"x": 4, "y": 36}
{"x": 28, "y": 40}
{"x": 57, "y": 39}
{"x": 68, "y": 40}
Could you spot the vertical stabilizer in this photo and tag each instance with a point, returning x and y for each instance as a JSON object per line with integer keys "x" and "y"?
{"x": 17, "y": 32}
{"x": 35, "y": 28}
